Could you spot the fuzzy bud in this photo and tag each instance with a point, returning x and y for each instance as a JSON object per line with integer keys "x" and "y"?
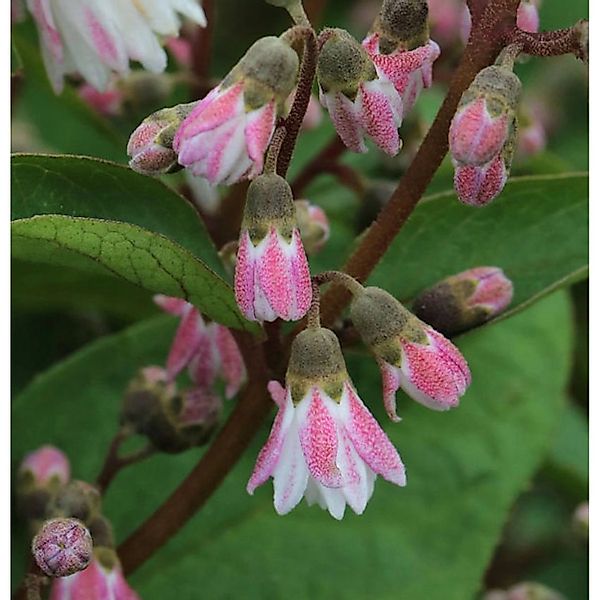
{"x": 62, "y": 547}
{"x": 402, "y": 24}
{"x": 410, "y": 353}
{"x": 151, "y": 144}
{"x": 465, "y": 300}
{"x": 313, "y": 224}
{"x": 79, "y": 500}
{"x": 316, "y": 360}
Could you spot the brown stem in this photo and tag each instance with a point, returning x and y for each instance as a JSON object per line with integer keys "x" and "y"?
{"x": 301, "y": 99}
{"x": 550, "y": 43}
{"x": 314, "y": 10}
{"x": 202, "y": 51}
{"x": 476, "y": 8}
{"x": 228, "y": 446}
{"x": 484, "y": 45}
{"x": 330, "y": 153}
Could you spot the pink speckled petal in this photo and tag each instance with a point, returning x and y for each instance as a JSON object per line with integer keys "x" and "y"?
{"x": 244, "y": 277}
{"x": 270, "y": 453}
{"x": 381, "y": 117}
{"x": 230, "y": 358}
{"x": 475, "y": 137}
{"x": 390, "y": 377}
{"x": 228, "y": 150}
{"x": 260, "y": 125}
{"x": 274, "y": 276}
{"x": 477, "y": 186}
{"x": 370, "y": 441}
{"x": 186, "y": 340}
{"x": 300, "y": 272}
{"x": 346, "y": 120}
{"x": 354, "y": 474}
{"x": 494, "y": 290}
{"x": 278, "y": 393}
{"x": 318, "y": 437}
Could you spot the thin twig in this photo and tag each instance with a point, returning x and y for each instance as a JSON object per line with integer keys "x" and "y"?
{"x": 550, "y": 43}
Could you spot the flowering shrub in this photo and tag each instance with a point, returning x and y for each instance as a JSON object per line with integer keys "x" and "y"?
{"x": 256, "y": 244}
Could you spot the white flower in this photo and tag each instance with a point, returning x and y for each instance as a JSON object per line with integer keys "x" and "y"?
{"x": 99, "y": 37}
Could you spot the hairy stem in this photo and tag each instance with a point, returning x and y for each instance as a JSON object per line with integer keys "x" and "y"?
{"x": 552, "y": 43}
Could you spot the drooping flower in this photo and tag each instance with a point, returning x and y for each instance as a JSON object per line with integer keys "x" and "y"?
{"x": 401, "y": 50}
{"x": 99, "y": 37}
{"x": 324, "y": 445}
{"x": 225, "y": 137}
{"x": 102, "y": 580}
{"x": 313, "y": 225}
{"x": 62, "y": 547}
{"x": 411, "y": 354}
{"x": 465, "y": 300}
{"x": 208, "y": 350}
{"x": 272, "y": 278}
{"x": 360, "y": 103}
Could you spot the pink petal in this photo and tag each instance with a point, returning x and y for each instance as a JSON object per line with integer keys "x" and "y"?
{"x": 391, "y": 383}
{"x": 172, "y": 305}
{"x": 185, "y": 343}
{"x": 318, "y": 437}
{"x": 300, "y": 272}
{"x": 270, "y": 453}
{"x": 203, "y": 364}
{"x": 42, "y": 13}
{"x": 346, "y": 120}
{"x": 477, "y": 186}
{"x": 354, "y": 474}
{"x": 370, "y": 441}
{"x": 104, "y": 42}
{"x": 230, "y": 358}
{"x": 244, "y": 276}
{"x": 260, "y": 125}
{"x": 380, "y": 118}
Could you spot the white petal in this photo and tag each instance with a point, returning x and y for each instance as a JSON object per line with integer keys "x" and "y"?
{"x": 191, "y": 9}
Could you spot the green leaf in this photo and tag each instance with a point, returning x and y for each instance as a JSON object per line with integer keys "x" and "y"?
{"x": 536, "y": 231}
{"x": 429, "y": 541}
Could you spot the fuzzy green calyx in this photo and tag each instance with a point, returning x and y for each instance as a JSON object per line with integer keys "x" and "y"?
{"x": 383, "y": 322}
{"x": 343, "y": 64}
{"x": 171, "y": 119}
{"x": 500, "y": 87}
{"x": 402, "y": 25}
{"x": 316, "y": 360}
{"x": 269, "y": 69}
{"x": 79, "y": 500}
{"x": 269, "y": 203}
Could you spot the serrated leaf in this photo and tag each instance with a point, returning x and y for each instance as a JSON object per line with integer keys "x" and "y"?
{"x": 429, "y": 541}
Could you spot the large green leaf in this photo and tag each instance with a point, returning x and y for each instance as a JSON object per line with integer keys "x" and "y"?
{"x": 537, "y": 231}
{"x": 100, "y": 217}
{"x": 429, "y": 541}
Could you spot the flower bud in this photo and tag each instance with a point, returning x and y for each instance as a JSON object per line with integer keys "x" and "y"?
{"x": 46, "y": 466}
{"x": 410, "y": 353}
{"x": 62, "y": 547}
{"x": 359, "y": 101}
{"x": 466, "y": 300}
{"x": 402, "y": 24}
{"x": 272, "y": 278}
{"x": 486, "y": 112}
{"x": 151, "y": 144}
{"x": 313, "y": 225}
{"x": 79, "y": 500}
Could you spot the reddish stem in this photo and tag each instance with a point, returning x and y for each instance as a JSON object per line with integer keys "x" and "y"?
{"x": 202, "y": 51}
{"x": 549, "y": 43}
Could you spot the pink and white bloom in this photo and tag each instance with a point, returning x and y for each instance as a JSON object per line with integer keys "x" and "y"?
{"x": 272, "y": 278}
{"x": 410, "y": 353}
{"x": 99, "y": 37}
{"x": 225, "y": 137}
{"x": 324, "y": 445}
{"x": 479, "y": 185}
{"x": 102, "y": 580}
{"x": 410, "y": 71}
{"x": 209, "y": 351}
{"x": 313, "y": 224}
{"x": 46, "y": 464}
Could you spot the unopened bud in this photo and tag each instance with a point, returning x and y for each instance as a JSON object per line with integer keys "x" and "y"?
{"x": 402, "y": 24}
{"x": 316, "y": 360}
{"x": 62, "y": 547}
{"x": 313, "y": 224}
{"x": 151, "y": 144}
{"x": 77, "y": 499}
{"x": 343, "y": 64}
{"x": 465, "y": 300}
{"x": 46, "y": 466}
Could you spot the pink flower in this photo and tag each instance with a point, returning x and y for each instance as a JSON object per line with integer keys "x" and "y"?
{"x": 45, "y": 464}
{"x": 528, "y": 18}
{"x": 479, "y": 185}
{"x": 410, "y": 353}
{"x": 208, "y": 350}
{"x": 102, "y": 580}
{"x": 410, "y": 71}
{"x": 272, "y": 278}
{"x": 324, "y": 445}
{"x": 225, "y": 137}
{"x": 313, "y": 224}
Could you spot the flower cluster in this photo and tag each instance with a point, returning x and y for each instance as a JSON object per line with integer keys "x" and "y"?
{"x": 99, "y": 37}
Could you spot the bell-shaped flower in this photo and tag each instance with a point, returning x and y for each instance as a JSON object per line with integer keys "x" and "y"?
{"x": 360, "y": 103}
{"x": 99, "y": 37}
{"x": 324, "y": 445}
{"x": 208, "y": 350}
{"x": 272, "y": 278}
{"x": 411, "y": 354}
{"x": 400, "y": 48}
{"x": 225, "y": 137}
